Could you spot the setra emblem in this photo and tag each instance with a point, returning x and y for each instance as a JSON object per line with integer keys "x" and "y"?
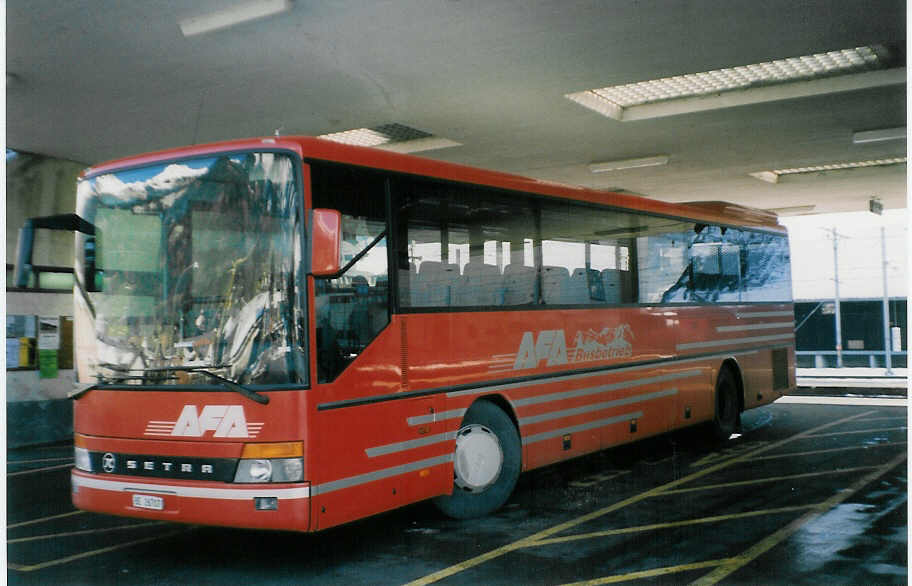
{"x": 108, "y": 462}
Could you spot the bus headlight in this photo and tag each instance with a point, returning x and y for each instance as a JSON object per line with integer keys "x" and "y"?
{"x": 274, "y": 470}
{"x": 278, "y": 462}
{"x": 83, "y": 462}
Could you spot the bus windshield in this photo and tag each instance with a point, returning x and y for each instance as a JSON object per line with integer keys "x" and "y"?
{"x": 192, "y": 268}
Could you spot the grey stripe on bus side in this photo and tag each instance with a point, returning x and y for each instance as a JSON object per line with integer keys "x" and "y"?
{"x": 765, "y": 314}
{"x": 578, "y": 428}
{"x": 766, "y": 326}
{"x": 605, "y": 388}
{"x": 410, "y": 444}
{"x": 732, "y": 341}
{"x": 596, "y": 407}
{"x": 351, "y": 481}
{"x": 433, "y": 417}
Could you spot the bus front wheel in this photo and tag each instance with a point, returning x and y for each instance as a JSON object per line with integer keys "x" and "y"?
{"x": 486, "y": 463}
{"x": 728, "y": 411}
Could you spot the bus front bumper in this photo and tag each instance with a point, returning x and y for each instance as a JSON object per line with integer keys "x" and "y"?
{"x": 255, "y": 506}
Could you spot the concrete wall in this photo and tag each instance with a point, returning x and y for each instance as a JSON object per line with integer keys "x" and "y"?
{"x": 37, "y": 409}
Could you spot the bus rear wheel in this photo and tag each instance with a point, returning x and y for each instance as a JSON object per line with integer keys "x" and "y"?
{"x": 486, "y": 464}
{"x": 728, "y": 409}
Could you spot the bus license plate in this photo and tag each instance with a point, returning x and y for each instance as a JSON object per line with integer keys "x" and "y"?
{"x": 145, "y": 501}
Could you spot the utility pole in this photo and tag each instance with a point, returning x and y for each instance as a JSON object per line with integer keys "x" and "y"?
{"x": 886, "y": 304}
{"x": 838, "y": 313}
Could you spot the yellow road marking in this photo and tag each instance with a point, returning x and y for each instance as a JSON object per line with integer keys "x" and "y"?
{"x": 11, "y": 462}
{"x": 545, "y": 533}
{"x": 899, "y": 418}
{"x": 652, "y": 573}
{"x": 830, "y": 450}
{"x": 597, "y": 479}
{"x": 84, "y": 532}
{"x": 670, "y": 525}
{"x": 774, "y": 539}
{"x": 767, "y": 479}
{"x": 727, "y": 453}
{"x": 94, "y": 552}
{"x": 838, "y": 433}
{"x": 43, "y": 519}
{"x": 8, "y": 474}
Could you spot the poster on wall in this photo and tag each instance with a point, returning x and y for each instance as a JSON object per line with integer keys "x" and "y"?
{"x": 48, "y": 333}
{"x": 48, "y": 346}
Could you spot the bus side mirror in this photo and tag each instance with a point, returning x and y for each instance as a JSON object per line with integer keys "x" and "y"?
{"x": 325, "y": 242}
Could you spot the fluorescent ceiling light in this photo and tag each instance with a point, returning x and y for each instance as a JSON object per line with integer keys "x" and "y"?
{"x": 391, "y": 137}
{"x": 760, "y": 82}
{"x": 774, "y": 175}
{"x": 898, "y": 133}
{"x": 629, "y": 164}
{"x": 237, "y": 14}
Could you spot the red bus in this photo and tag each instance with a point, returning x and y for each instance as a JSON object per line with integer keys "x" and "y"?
{"x": 292, "y": 333}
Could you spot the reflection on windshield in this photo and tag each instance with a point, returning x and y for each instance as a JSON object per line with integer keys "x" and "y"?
{"x": 194, "y": 266}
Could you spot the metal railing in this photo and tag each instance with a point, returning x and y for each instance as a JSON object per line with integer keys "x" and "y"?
{"x": 851, "y": 358}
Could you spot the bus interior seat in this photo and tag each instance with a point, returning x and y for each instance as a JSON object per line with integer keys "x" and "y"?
{"x": 435, "y": 282}
{"x": 555, "y": 283}
{"x": 480, "y": 284}
{"x": 519, "y": 284}
{"x": 611, "y": 280}
{"x": 578, "y": 290}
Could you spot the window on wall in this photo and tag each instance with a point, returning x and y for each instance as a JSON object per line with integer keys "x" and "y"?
{"x": 352, "y": 307}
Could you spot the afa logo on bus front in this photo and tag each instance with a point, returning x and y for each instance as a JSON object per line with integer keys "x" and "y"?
{"x": 221, "y": 420}
{"x": 590, "y": 345}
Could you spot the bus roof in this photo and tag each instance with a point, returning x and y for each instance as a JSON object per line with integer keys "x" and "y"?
{"x": 716, "y": 212}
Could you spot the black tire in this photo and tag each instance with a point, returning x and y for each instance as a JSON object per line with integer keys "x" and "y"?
{"x": 492, "y": 428}
{"x": 727, "y": 416}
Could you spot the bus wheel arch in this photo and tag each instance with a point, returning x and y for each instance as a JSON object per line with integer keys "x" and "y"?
{"x": 734, "y": 367}
{"x": 728, "y": 401}
{"x": 487, "y": 461}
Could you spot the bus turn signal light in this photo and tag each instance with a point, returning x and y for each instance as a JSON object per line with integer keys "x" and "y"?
{"x": 274, "y": 450}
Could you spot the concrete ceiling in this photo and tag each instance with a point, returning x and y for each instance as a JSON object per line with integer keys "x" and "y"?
{"x": 97, "y": 79}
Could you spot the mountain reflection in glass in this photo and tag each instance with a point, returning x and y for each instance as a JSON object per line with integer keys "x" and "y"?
{"x": 193, "y": 265}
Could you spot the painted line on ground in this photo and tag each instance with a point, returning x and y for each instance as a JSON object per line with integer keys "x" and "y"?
{"x": 653, "y": 573}
{"x": 860, "y": 401}
{"x": 45, "y": 469}
{"x": 94, "y": 552}
{"x": 84, "y": 532}
{"x": 830, "y": 450}
{"x": 881, "y": 430}
{"x": 44, "y": 519}
{"x": 551, "y": 531}
{"x": 774, "y": 539}
{"x": 764, "y": 480}
{"x": 40, "y": 460}
{"x": 597, "y": 478}
{"x": 670, "y": 525}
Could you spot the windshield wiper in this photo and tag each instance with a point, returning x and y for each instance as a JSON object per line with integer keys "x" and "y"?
{"x": 229, "y": 384}
{"x": 236, "y": 387}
